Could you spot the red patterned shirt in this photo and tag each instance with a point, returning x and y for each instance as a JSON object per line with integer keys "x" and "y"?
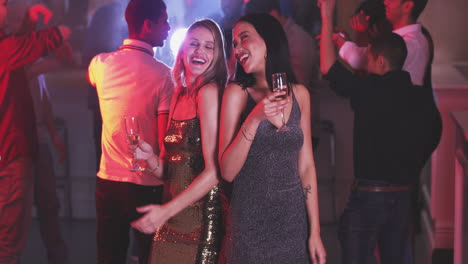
{"x": 17, "y": 124}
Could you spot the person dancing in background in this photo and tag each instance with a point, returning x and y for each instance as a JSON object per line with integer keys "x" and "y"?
{"x": 17, "y": 125}
{"x": 403, "y": 16}
{"x": 274, "y": 194}
{"x": 377, "y": 17}
{"x": 395, "y": 133}
{"x": 130, "y": 82}
{"x": 369, "y": 21}
{"x": 45, "y": 196}
{"x": 189, "y": 224}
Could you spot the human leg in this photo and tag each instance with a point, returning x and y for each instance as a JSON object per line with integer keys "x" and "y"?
{"x": 145, "y": 195}
{"x": 112, "y": 222}
{"x": 394, "y": 237}
{"x": 16, "y": 181}
{"x": 358, "y": 228}
{"x": 47, "y": 203}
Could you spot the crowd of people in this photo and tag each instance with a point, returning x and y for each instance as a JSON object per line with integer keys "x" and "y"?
{"x": 219, "y": 165}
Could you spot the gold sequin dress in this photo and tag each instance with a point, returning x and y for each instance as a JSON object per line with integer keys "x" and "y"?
{"x": 195, "y": 234}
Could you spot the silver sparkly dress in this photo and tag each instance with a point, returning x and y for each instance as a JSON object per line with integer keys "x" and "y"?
{"x": 267, "y": 219}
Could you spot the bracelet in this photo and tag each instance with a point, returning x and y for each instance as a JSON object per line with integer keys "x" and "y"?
{"x": 342, "y": 35}
{"x": 244, "y": 132}
{"x": 157, "y": 166}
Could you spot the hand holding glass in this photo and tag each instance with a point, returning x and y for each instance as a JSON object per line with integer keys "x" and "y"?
{"x": 133, "y": 133}
{"x": 280, "y": 83}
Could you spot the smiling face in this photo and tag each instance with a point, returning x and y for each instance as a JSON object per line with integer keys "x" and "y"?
{"x": 198, "y": 51}
{"x": 249, "y": 48}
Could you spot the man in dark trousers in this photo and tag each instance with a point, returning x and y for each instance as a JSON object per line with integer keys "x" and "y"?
{"x": 393, "y": 139}
{"x": 130, "y": 82}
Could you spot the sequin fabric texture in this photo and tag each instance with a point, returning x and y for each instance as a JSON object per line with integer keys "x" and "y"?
{"x": 194, "y": 235}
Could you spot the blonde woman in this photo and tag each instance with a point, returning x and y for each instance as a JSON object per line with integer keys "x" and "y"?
{"x": 188, "y": 224}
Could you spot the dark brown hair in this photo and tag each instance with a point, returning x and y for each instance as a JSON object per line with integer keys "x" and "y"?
{"x": 138, "y": 11}
{"x": 392, "y": 47}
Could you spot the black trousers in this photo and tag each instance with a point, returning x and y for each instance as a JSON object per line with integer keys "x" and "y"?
{"x": 116, "y": 204}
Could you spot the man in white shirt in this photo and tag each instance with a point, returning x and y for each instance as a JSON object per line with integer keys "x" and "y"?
{"x": 130, "y": 82}
{"x": 403, "y": 15}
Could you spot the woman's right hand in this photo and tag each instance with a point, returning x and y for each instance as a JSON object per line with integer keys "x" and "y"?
{"x": 270, "y": 108}
{"x": 155, "y": 215}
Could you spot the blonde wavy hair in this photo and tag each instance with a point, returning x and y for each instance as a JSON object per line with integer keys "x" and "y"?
{"x": 216, "y": 72}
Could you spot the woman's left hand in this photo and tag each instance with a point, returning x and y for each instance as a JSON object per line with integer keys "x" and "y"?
{"x": 154, "y": 217}
{"x": 316, "y": 249}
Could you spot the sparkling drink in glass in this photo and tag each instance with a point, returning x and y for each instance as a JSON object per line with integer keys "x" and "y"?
{"x": 133, "y": 139}
{"x": 133, "y": 134}
{"x": 280, "y": 83}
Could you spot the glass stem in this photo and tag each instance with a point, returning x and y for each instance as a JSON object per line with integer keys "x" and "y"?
{"x": 282, "y": 117}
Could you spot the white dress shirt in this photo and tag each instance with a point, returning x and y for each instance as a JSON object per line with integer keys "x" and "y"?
{"x": 129, "y": 81}
{"x": 416, "y": 60}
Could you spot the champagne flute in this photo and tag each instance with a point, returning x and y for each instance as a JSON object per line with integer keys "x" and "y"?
{"x": 280, "y": 83}
{"x": 133, "y": 133}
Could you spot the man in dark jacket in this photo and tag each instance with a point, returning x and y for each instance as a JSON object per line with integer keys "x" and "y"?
{"x": 393, "y": 138}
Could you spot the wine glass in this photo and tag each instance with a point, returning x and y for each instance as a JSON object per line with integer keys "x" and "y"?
{"x": 133, "y": 133}
{"x": 280, "y": 83}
